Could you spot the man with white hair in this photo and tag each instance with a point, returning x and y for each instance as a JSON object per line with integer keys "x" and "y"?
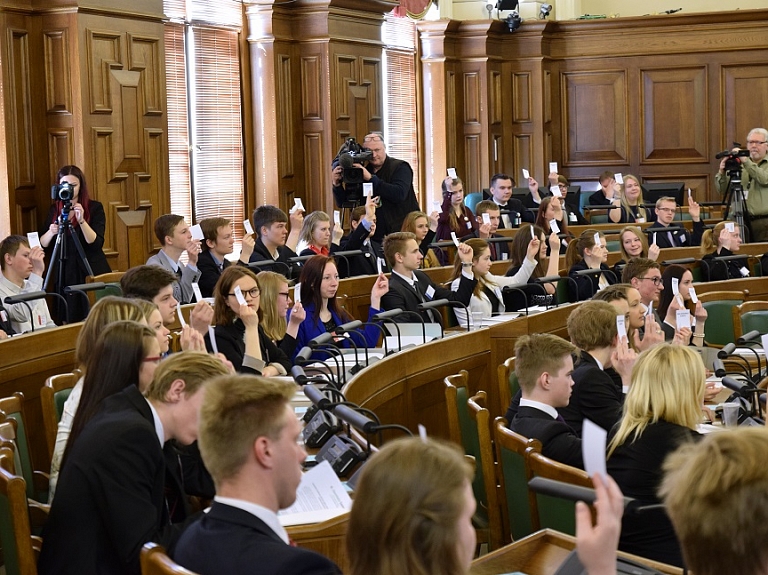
{"x": 754, "y": 180}
{"x": 392, "y": 183}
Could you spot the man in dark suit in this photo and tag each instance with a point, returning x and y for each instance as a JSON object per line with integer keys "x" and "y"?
{"x": 499, "y": 250}
{"x": 409, "y": 287}
{"x": 500, "y": 193}
{"x": 273, "y": 241}
{"x": 543, "y": 365}
{"x": 114, "y": 492}
{"x": 595, "y": 396}
{"x": 665, "y": 215}
{"x": 218, "y": 242}
{"x": 249, "y": 440}
{"x": 608, "y": 194}
{"x": 362, "y": 221}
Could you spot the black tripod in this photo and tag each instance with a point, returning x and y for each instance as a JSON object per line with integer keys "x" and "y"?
{"x": 60, "y": 254}
{"x": 735, "y": 200}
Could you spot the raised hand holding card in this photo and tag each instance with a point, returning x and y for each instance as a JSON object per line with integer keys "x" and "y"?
{"x": 247, "y": 226}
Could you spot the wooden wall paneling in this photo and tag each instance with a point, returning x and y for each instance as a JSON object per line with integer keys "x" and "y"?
{"x": 312, "y": 174}
{"x": 453, "y": 154}
{"x": 475, "y": 124}
{"x": 674, "y": 118}
{"x": 744, "y": 104}
{"x": 595, "y": 117}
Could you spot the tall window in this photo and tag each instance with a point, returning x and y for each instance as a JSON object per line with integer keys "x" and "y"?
{"x": 205, "y": 136}
{"x": 400, "y": 97}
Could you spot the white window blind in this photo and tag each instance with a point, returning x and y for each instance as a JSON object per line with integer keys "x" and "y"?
{"x": 204, "y": 110}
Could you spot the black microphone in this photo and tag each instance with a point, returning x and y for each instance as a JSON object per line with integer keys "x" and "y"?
{"x": 301, "y": 378}
{"x": 32, "y": 296}
{"x": 726, "y": 350}
{"x": 82, "y": 289}
{"x": 567, "y": 491}
{"x": 678, "y": 261}
{"x": 518, "y": 288}
{"x": 258, "y": 265}
{"x": 718, "y": 367}
{"x": 435, "y": 303}
{"x": 386, "y": 316}
{"x": 735, "y": 385}
{"x": 346, "y": 160}
{"x": 750, "y": 335}
{"x": 457, "y": 303}
{"x": 381, "y": 330}
{"x": 317, "y": 397}
{"x": 361, "y": 422}
{"x": 321, "y": 339}
{"x": 346, "y": 329}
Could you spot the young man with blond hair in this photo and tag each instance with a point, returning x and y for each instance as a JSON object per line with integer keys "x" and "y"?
{"x": 250, "y": 443}
{"x": 543, "y": 366}
{"x": 116, "y": 490}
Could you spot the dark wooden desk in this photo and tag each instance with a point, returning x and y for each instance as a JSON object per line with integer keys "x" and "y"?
{"x": 541, "y": 554}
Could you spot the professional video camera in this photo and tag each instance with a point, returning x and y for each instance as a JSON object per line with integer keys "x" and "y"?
{"x": 352, "y": 153}
{"x": 733, "y": 163}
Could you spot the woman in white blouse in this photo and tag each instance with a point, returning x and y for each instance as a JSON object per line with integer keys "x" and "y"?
{"x": 487, "y": 297}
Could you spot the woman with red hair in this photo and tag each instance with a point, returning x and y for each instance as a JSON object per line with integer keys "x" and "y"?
{"x": 87, "y": 220}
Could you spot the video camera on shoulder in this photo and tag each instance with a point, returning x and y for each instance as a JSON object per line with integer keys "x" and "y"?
{"x": 733, "y": 164}
{"x": 350, "y": 153}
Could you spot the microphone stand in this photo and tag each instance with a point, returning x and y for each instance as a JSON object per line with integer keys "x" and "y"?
{"x": 457, "y": 303}
{"x": 548, "y": 280}
{"x": 386, "y": 316}
{"x": 431, "y": 305}
{"x": 518, "y": 288}
{"x": 82, "y": 289}
{"x": 33, "y": 296}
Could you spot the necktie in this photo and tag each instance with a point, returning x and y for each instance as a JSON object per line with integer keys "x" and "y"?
{"x": 671, "y": 240}
{"x": 493, "y": 251}
{"x": 560, "y": 418}
{"x": 178, "y": 272}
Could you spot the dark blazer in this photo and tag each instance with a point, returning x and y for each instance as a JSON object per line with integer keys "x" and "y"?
{"x": 587, "y": 285}
{"x": 402, "y": 295}
{"x": 284, "y": 253}
{"x": 232, "y": 541}
{"x": 595, "y": 396}
{"x": 498, "y": 249}
{"x": 718, "y": 270}
{"x": 365, "y": 264}
{"x": 110, "y": 498}
{"x": 680, "y": 238}
{"x": 558, "y": 441}
{"x": 630, "y": 217}
{"x": 514, "y": 205}
{"x": 210, "y": 272}
{"x": 229, "y": 341}
{"x": 599, "y": 199}
{"x": 636, "y": 467}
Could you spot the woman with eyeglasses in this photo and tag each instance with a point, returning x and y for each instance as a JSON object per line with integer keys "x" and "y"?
{"x": 126, "y": 353}
{"x": 319, "y": 284}
{"x": 275, "y": 303}
{"x": 238, "y": 333}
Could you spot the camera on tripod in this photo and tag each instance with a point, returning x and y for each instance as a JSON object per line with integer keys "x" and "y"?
{"x": 733, "y": 164}
{"x": 353, "y": 153}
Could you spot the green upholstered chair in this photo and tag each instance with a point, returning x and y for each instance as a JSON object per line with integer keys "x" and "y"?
{"x": 750, "y": 315}
{"x": 478, "y": 413}
{"x": 562, "y": 294}
{"x": 154, "y": 561}
{"x": 613, "y": 245}
{"x": 719, "y": 329}
{"x": 36, "y": 481}
{"x": 471, "y": 200}
{"x": 53, "y": 395}
{"x": 554, "y": 512}
{"x": 20, "y": 548}
{"x": 508, "y": 384}
{"x": 599, "y": 218}
{"x": 519, "y": 511}
{"x": 463, "y": 431}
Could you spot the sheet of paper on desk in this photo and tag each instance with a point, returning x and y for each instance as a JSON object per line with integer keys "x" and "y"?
{"x": 705, "y": 428}
{"x": 406, "y": 340}
{"x": 320, "y": 497}
{"x": 749, "y": 352}
{"x": 593, "y": 448}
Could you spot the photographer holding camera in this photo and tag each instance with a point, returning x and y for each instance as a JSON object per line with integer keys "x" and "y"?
{"x": 86, "y": 218}
{"x": 754, "y": 181}
{"x": 392, "y": 183}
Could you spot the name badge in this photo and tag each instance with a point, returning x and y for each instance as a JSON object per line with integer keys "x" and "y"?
{"x": 681, "y": 237}
{"x": 572, "y": 217}
{"x": 430, "y": 293}
{"x": 744, "y": 272}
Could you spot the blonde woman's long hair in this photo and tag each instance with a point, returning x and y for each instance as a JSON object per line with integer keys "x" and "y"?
{"x": 273, "y": 324}
{"x": 668, "y": 383}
